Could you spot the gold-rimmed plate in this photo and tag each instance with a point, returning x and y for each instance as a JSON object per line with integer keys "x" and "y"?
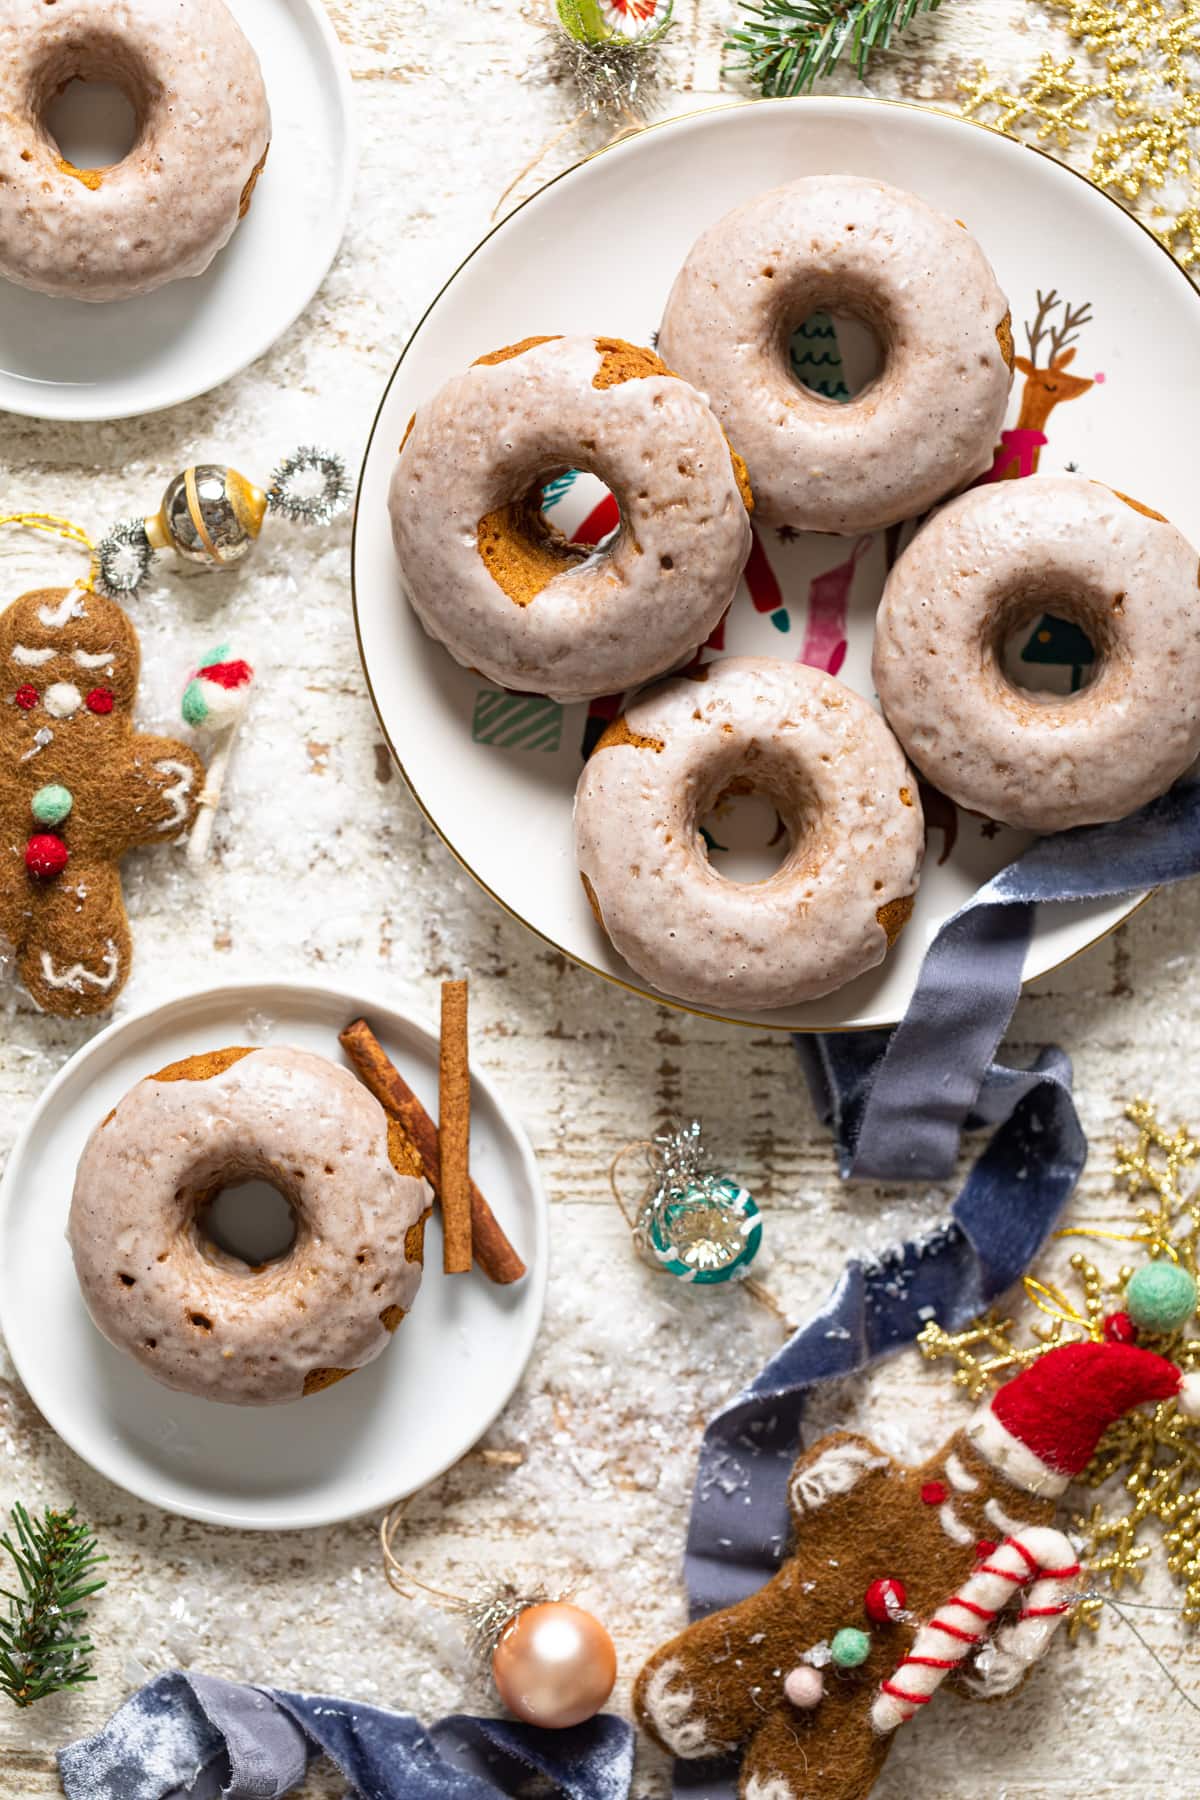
{"x": 596, "y": 251}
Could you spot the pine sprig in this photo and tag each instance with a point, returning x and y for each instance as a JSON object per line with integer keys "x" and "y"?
{"x": 785, "y": 45}
{"x": 43, "y": 1646}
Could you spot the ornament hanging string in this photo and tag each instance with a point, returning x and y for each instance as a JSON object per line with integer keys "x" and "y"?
{"x": 553, "y": 1664}
{"x": 488, "y": 1614}
{"x": 1054, "y": 1303}
{"x": 613, "y": 71}
{"x": 58, "y": 527}
{"x": 1121, "y": 1608}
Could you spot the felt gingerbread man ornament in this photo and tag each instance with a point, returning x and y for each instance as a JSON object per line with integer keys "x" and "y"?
{"x": 78, "y": 788}
{"x": 899, "y": 1578}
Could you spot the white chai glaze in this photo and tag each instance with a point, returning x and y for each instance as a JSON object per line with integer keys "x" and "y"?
{"x": 640, "y": 604}
{"x": 164, "y": 211}
{"x": 991, "y": 561}
{"x": 843, "y": 789}
{"x": 199, "y": 1319}
{"x": 930, "y": 420}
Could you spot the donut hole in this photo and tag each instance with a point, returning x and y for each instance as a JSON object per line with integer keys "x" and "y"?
{"x": 1050, "y": 648}
{"x": 92, "y": 124}
{"x": 90, "y": 98}
{"x": 835, "y": 353}
{"x": 249, "y": 1220}
{"x": 744, "y": 833}
{"x": 559, "y": 519}
{"x": 578, "y": 506}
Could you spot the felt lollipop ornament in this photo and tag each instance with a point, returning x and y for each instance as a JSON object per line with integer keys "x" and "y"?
{"x": 214, "y": 702}
{"x": 212, "y": 516}
{"x": 553, "y": 1664}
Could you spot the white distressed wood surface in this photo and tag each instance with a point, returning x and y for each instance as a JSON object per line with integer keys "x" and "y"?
{"x": 452, "y": 104}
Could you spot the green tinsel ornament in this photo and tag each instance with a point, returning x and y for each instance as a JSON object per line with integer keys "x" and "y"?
{"x": 615, "y": 72}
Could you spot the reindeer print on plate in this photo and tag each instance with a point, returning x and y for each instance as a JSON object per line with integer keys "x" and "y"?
{"x": 496, "y": 772}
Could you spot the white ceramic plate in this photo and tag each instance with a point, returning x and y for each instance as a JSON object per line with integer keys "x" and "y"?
{"x": 63, "y": 359}
{"x": 596, "y": 250}
{"x": 385, "y": 1432}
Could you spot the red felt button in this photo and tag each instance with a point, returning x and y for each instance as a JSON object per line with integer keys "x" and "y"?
{"x": 884, "y": 1600}
{"x": 985, "y": 1548}
{"x": 46, "y": 856}
{"x": 1119, "y": 1328}
{"x": 100, "y": 700}
{"x": 26, "y": 697}
{"x": 933, "y": 1493}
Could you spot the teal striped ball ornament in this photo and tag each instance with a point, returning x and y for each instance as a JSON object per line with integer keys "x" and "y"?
{"x": 695, "y": 1223}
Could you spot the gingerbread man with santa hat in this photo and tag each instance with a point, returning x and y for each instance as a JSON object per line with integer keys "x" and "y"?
{"x": 900, "y": 1578}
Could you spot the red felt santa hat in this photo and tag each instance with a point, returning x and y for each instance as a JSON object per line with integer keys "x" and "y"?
{"x": 1042, "y": 1427}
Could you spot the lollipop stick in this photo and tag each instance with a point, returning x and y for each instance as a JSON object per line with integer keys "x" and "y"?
{"x": 210, "y": 799}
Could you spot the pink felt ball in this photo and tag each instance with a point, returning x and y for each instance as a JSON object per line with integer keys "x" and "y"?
{"x": 804, "y": 1686}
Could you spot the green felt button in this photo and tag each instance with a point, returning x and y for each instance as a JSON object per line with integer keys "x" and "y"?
{"x": 51, "y": 805}
{"x": 850, "y": 1647}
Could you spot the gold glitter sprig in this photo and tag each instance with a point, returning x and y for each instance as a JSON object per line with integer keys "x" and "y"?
{"x": 1130, "y": 115}
{"x": 1156, "y": 1455}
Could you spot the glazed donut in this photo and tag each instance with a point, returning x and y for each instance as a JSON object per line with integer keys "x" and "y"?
{"x": 504, "y": 592}
{"x": 203, "y": 127}
{"x": 843, "y": 790}
{"x": 202, "y": 1320}
{"x": 930, "y": 420}
{"x": 990, "y": 563}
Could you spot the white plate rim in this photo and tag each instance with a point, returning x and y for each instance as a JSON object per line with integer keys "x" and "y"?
{"x": 653, "y": 996}
{"x": 245, "y": 992}
{"x": 75, "y": 410}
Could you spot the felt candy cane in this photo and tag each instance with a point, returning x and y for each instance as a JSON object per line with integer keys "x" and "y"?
{"x": 214, "y": 701}
{"x": 1041, "y": 1559}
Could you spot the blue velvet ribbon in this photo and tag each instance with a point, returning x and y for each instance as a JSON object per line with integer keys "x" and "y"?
{"x": 196, "y": 1736}
{"x": 897, "y": 1103}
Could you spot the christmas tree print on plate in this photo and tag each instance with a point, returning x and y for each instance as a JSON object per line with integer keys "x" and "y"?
{"x": 497, "y": 773}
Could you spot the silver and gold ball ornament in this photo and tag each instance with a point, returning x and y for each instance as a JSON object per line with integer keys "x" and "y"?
{"x": 212, "y": 516}
{"x": 209, "y": 514}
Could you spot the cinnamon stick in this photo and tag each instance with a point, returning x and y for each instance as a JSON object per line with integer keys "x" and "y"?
{"x": 490, "y": 1248}
{"x": 454, "y": 1130}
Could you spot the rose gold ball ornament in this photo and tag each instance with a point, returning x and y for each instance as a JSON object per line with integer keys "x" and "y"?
{"x": 554, "y": 1665}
